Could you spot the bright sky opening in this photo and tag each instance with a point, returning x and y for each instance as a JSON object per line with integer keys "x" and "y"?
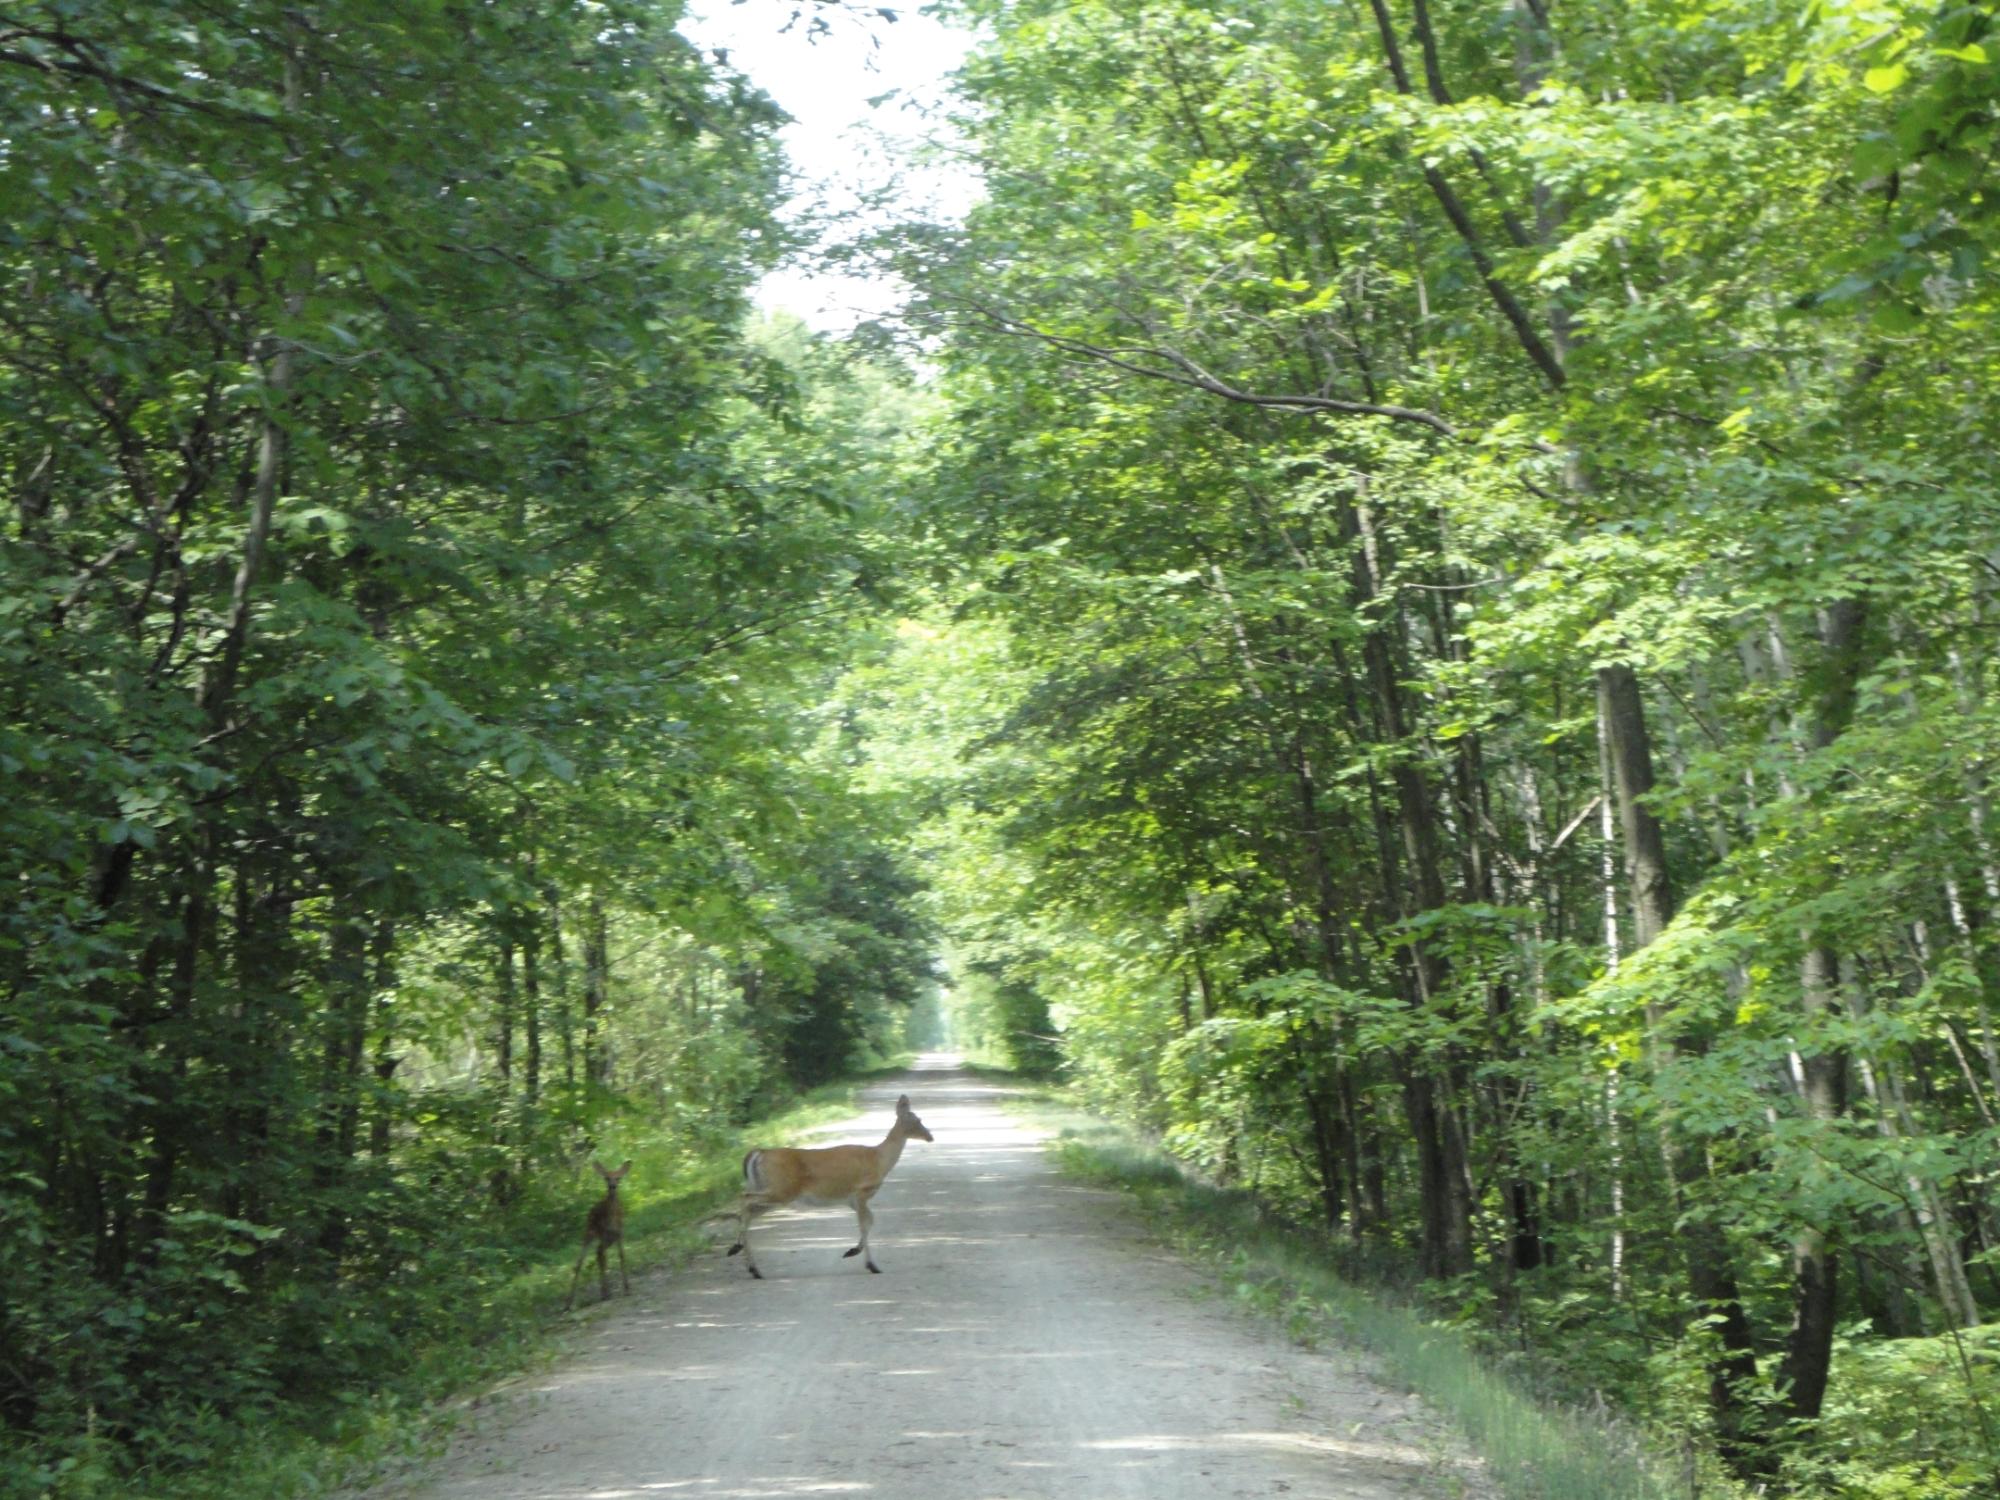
{"x": 867, "y": 97}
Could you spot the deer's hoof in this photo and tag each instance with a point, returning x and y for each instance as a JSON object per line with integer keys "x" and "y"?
{"x": 875, "y": 1268}
{"x": 759, "y": 1275}
{"x": 736, "y": 1249}
{"x": 850, "y": 1254}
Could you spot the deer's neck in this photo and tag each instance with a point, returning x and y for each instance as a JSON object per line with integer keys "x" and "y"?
{"x": 609, "y": 1214}
{"x": 892, "y": 1148}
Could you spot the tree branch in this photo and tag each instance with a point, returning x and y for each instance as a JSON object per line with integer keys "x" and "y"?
{"x": 78, "y": 63}
{"x": 1503, "y": 296}
{"x": 1177, "y": 369}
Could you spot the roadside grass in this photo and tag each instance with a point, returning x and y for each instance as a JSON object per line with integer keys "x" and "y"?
{"x": 488, "y": 1327}
{"x": 1532, "y": 1449}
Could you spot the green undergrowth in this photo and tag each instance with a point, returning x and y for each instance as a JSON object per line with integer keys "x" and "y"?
{"x": 1532, "y": 1449}
{"x": 498, "y": 1293}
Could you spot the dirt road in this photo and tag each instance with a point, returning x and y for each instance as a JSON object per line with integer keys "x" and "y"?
{"x": 1025, "y": 1340}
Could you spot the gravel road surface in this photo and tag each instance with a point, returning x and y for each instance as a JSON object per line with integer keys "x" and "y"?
{"x": 1026, "y": 1339}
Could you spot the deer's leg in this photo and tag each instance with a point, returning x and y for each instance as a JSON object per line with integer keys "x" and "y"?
{"x": 864, "y": 1216}
{"x": 744, "y": 1206}
{"x": 624, "y": 1274}
{"x": 576, "y": 1274}
{"x": 603, "y": 1275}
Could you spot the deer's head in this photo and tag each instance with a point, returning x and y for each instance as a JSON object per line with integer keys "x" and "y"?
{"x": 611, "y": 1179}
{"x": 907, "y": 1118}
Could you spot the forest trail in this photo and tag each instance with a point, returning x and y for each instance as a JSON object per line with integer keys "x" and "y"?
{"x": 1026, "y": 1339}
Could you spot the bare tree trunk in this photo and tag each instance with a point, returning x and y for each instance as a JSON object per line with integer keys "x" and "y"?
{"x": 531, "y": 1005}
{"x": 1608, "y": 879}
{"x": 1802, "y": 1372}
{"x": 1922, "y": 1207}
{"x": 565, "y": 1021}
{"x": 503, "y": 1010}
{"x": 350, "y": 988}
{"x": 1711, "y": 1276}
{"x": 381, "y": 1122}
{"x": 1444, "y": 1182}
{"x": 596, "y": 982}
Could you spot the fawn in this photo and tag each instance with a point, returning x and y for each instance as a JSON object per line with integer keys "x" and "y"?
{"x": 603, "y": 1226}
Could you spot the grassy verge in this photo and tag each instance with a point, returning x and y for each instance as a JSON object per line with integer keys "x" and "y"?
{"x": 1533, "y": 1450}
{"x": 493, "y": 1327}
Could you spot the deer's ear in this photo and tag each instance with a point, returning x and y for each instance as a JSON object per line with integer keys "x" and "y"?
{"x": 602, "y": 1170}
{"x": 619, "y": 1175}
{"x": 902, "y": 1104}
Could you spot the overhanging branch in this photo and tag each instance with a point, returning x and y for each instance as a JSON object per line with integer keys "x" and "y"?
{"x": 1175, "y": 368}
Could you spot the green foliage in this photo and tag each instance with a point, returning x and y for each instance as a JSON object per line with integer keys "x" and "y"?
{"x": 1885, "y": 1404}
{"x": 418, "y": 587}
{"x": 475, "y": 1297}
{"x": 1469, "y": 668}
{"x": 1532, "y": 1449}
{"x": 1449, "y": 567}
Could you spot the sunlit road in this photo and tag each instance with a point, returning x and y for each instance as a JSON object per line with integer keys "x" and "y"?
{"x": 1025, "y": 1340}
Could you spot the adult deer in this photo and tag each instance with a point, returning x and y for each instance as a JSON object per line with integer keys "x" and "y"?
{"x": 603, "y": 1226}
{"x": 776, "y": 1176}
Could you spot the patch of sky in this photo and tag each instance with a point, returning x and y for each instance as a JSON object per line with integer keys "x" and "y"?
{"x": 870, "y": 140}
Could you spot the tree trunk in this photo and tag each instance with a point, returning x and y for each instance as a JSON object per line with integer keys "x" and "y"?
{"x": 1444, "y": 1183}
{"x": 1802, "y": 1373}
{"x": 1327, "y": 1155}
{"x": 531, "y": 1005}
{"x": 596, "y": 982}
{"x": 348, "y": 990}
{"x": 1732, "y": 1370}
{"x": 503, "y": 1011}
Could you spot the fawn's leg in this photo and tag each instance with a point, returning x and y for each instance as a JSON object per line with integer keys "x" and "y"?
{"x": 576, "y": 1274}
{"x": 622, "y": 1272}
{"x": 744, "y": 1215}
{"x": 603, "y": 1275}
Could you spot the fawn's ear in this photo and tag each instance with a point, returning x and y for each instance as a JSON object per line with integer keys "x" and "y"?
{"x": 619, "y": 1175}
{"x": 902, "y": 1104}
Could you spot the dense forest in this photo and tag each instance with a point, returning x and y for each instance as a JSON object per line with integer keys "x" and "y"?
{"x": 1410, "y": 605}
{"x": 423, "y": 584}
